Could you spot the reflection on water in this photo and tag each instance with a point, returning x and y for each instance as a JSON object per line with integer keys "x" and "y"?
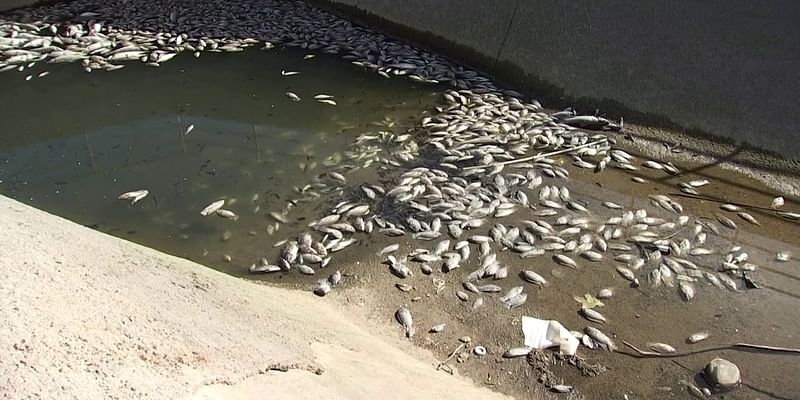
{"x": 74, "y": 141}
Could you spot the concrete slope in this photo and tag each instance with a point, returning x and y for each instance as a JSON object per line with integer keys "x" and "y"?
{"x": 728, "y": 68}
{"x": 84, "y": 315}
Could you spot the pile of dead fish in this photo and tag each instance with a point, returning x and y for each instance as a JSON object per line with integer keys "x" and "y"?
{"x": 464, "y": 178}
{"x": 106, "y": 34}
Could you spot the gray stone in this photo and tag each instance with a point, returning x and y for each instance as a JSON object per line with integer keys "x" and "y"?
{"x": 722, "y": 374}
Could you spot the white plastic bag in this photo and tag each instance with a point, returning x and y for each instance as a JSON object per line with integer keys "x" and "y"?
{"x": 541, "y": 334}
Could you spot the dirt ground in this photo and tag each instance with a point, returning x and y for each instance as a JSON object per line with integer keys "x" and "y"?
{"x": 85, "y": 315}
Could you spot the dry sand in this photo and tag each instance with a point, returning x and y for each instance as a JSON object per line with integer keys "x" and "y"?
{"x": 86, "y": 315}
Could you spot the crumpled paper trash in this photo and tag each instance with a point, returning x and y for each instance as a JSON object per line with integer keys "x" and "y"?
{"x": 541, "y": 334}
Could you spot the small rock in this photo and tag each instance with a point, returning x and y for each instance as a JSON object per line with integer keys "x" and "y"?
{"x": 722, "y": 374}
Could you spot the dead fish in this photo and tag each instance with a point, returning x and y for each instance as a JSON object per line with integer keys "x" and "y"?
{"x": 477, "y": 303}
{"x": 327, "y": 101}
{"x": 700, "y": 251}
{"x": 501, "y": 273}
{"x": 726, "y": 222}
{"x": 305, "y": 269}
{"x": 626, "y": 273}
{"x": 613, "y": 206}
{"x": 600, "y": 337}
{"x": 338, "y": 177}
{"x": 293, "y": 96}
{"x": 389, "y": 249}
{"x": 189, "y": 129}
{"x": 687, "y": 290}
{"x": 592, "y": 315}
{"x": 652, "y": 164}
{"x": 698, "y": 183}
{"x": 517, "y": 352}
{"x": 789, "y": 215}
{"x": 783, "y": 256}
{"x": 290, "y": 73}
{"x": 694, "y": 390}
{"x": 561, "y": 388}
{"x": 697, "y": 337}
{"x": 278, "y": 217}
{"x": 660, "y": 347}
{"x": 400, "y": 270}
{"x": 322, "y": 288}
{"x": 335, "y": 279}
{"x": 749, "y": 218}
{"x": 212, "y": 208}
{"x": 727, "y": 281}
{"x": 403, "y": 316}
{"x": 489, "y": 288}
{"x": 777, "y": 202}
{"x": 516, "y": 301}
{"x": 730, "y": 207}
{"x": 264, "y": 268}
{"x": 513, "y": 292}
{"x": 605, "y": 293}
{"x": 426, "y": 269}
{"x": 437, "y": 328}
{"x": 134, "y": 196}
{"x": 565, "y": 261}
{"x": 533, "y": 277}
{"x": 463, "y": 296}
{"x": 228, "y": 214}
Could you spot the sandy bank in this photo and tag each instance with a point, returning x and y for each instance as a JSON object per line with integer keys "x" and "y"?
{"x": 85, "y": 315}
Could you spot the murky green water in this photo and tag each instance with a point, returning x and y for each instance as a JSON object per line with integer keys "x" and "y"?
{"x": 72, "y": 142}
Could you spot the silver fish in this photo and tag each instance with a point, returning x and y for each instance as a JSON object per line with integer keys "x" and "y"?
{"x": 228, "y": 214}
{"x": 726, "y": 222}
{"x": 134, "y": 196}
{"x": 592, "y": 315}
{"x": 605, "y": 293}
{"x": 533, "y": 277}
{"x": 389, "y": 249}
{"x": 565, "y": 261}
{"x": 749, "y": 218}
{"x": 516, "y": 301}
{"x": 660, "y": 347}
{"x": 687, "y": 290}
{"x": 517, "y": 352}
{"x": 305, "y": 269}
{"x": 335, "y": 279}
{"x": 697, "y": 337}
{"x": 403, "y": 316}
{"x": 600, "y": 337}
{"x": 322, "y": 287}
{"x": 276, "y": 216}
{"x": 293, "y": 96}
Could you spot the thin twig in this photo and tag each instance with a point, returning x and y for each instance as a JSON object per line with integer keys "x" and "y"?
{"x": 701, "y": 197}
{"x": 450, "y": 357}
{"x": 538, "y": 156}
{"x": 651, "y": 354}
